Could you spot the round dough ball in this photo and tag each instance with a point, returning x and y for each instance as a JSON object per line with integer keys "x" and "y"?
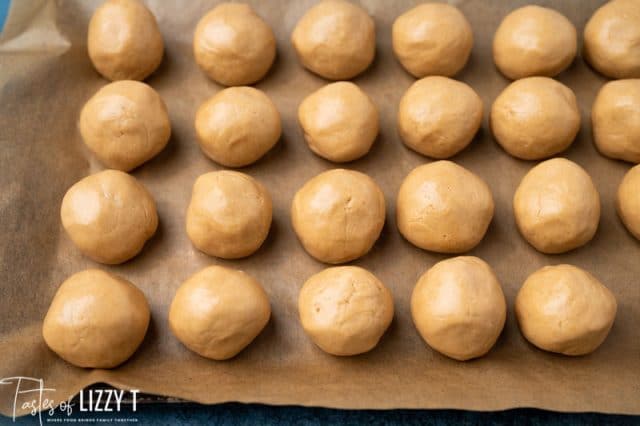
{"x": 443, "y": 207}
{"x": 615, "y": 118}
{"x": 340, "y": 122}
{"x": 534, "y": 40}
{"x": 432, "y": 39}
{"x": 237, "y": 126}
{"x": 565, "y": 309}
{"x": 459, "y": 308}
{"x": 109, "y": 216}
{"x": 628, "y": 201}
{"x": 124, "y": 41}
{"x": 345, "y": 310}
{"x": 233, "y": 45}
{"x": 438, "y": 117}
{"x": 229, "y": 215}
{"x": 125, "y": 124}
{"x": 535, "y": 118}
{"x": 557, "y": 206}
{"x": 218, "y": 311}
{"x": 96, "y": 320}
{"x": 335, "y": 39}
{"x": 612, "y": 39}
{"x": 338, "y": 215}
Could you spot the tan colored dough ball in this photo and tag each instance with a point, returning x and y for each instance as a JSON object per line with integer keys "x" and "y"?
{"x": 109, "y": 216}
{"x": 335, "y": 39}
{"x": 338, "y": 215}
{"x": 534, "y": 40}
{"x": 229, "y": 215}
{"x": 535, "y": 118}
{"x": 444, "y": 207}
{"x": 218, "y": 311}
{"x": 233, "y": 45}
{"x": 238, "y": 126}
{"x": 125, "y": 124}
{"x": 459, "y": 308}
{"x": 612, "y": 39}
{"x": 628, "y": 201}
{"x": 565, "y": 309}
{"x": 124, "y": 41}
{"x": 438, "y": 117}
{"x": 345, "y": 310}
{"x": 615, "y": 119}
{"x": 340, "y": 122}
{"x": 432, "y": 39}
{"x": 557, "y": 206}
{"x": 96, "y": 320}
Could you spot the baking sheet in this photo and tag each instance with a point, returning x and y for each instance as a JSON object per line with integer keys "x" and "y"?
{"x": 46, "y": 76}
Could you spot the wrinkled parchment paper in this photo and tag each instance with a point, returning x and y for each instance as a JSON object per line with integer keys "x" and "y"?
{"x": 46, "y": 76}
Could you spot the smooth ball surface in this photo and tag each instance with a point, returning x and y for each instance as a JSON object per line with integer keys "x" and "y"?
{"x": 124, "y": 41}
{"x": 534, "y": 40}
{"x": 125, "y": 124}
{"x": 233, "y": 45}
{"x": 565, "y": 309}
{"x": 229, "y": 215}
{"x": 237, "y": 126}
{"x": 438, "y": 117}
{"x": 557, "y": 206}
{"x": 335, "y": 39}
{"x": 628, "y": 201}
{"x": 459, "y": 308}
{"x": 109, "y": 216}
{"x": 338, "y": 215}
{"x": 96, "y": 320}
{"x": 612, "y": 39}
{"x": 432, "y": 39}
{"x": 218, "y": 311}
{"x": 615, "y": 117}
{"x": 340, "y": 122}
{"x": 535, "y": 118}
{"x": 444, "y": 207}
{"x": 345, "y": 310}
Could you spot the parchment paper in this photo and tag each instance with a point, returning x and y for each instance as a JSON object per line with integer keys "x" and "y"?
{"x": 45, "y": 78}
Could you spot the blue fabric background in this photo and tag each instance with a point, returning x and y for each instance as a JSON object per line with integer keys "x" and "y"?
{"x": 257, "y": 414}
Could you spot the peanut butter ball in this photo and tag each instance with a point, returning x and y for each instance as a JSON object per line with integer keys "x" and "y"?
{"x": 628, "y": 201}
{"x": 444, "y": 207}
{"x": 338, "y": 215}
{"x": 218, "y": 311}
{"x": 459, "y": 308}
{"x": 340, "y": 122}
{"x": 233, "y": 45}
{"x": 109, "y": 216}
{"x": 96, "y": 320}
{"x": 335, "y": 39}
{"x": 535, "y": 118}
{"x": 565, "y": 309}
{"x": 345, "y": 310}
{"x": 432, "y": 39}
{"x": 125, "y": 124}
{"x": 237, "y": 126}
{"x": 534, "y": 40}
{"x": 438, "y": 117}
{"x": 124, "y": 41}
{"x": 612, "y": 39}
{"x": 615, "y": 119}
{"x": 229, "y": 215}
{"x": 557, "y": 206}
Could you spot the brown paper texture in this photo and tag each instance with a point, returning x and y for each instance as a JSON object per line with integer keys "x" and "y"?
{"x": 45, "y": 78}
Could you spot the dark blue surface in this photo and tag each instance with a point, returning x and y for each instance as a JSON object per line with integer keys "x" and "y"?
{"x": 257, "y": 414}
